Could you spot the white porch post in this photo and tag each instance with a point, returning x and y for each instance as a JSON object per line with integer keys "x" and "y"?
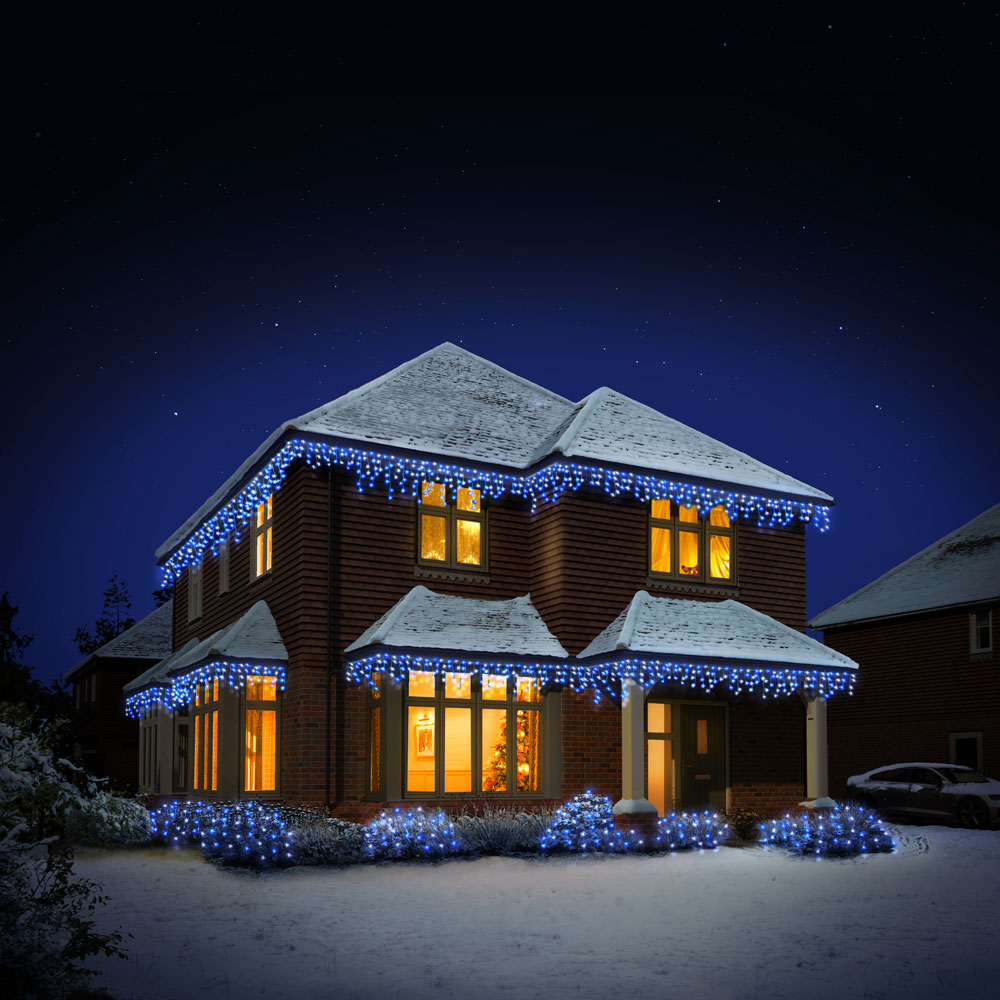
{"x": 633, "y": 798}
{"x": 817, "y": 791}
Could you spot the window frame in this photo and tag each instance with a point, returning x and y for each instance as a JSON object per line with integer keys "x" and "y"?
{"x": 475, "y": 704}
{"x": 206, "y": 713}
{"x": 196, "y": 589}
{"x": 451, "y": 515}
{"x": 248, "y": 704}
{"x": 705, "y": 532}
{"x": 263, "y": 528}
{"x": 224, "y": 553}
{"x": 974, "y": 626}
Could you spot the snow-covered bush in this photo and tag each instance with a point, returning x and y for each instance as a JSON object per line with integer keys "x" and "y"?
{"x": 181, "y": 822}
{"x": 745, "y": 824}
{"x": 700, "y": 830}
{"x": 844, "y": 830}
{"x": 501, "y": 830}
{"x": 411, "y": 834}
{"x": 584, "y": 823}
{"x": 328, "y": 842}
{"x": 109, "y": 819}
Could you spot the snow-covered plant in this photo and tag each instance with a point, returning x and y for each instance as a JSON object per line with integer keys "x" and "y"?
{"x": 411, "y": 834}
{"x": 45, "y": 924}
{"x": 109, "y": 819}
{"x": 501, "y": 830}
{"x": 35, "y": 791}
{"x": 247, "y": 833}
{"x": 181, "y": 822}
{"x": 584, "y": 823}
{"x": 329, "y": 842}
{"x": 745, "y": 824}
{"x": 844, "y": 830}
{"x": 699, "y": 830}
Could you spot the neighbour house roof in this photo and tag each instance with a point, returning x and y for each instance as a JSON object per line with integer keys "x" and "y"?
{"x": 452, "y": 404}
{"x": 725, "y": 631}
{"x": 961, "y": 568}
{"x": 425, "y": 620}
{"x": 158, "y": 673}
{"x": 148, "y": 639}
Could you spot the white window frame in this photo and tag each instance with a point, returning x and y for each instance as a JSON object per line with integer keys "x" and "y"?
{"x": 195, "y": 590}
{"x": 974, "y": 647}
{"x": 224, "y": 566}
{"x": 261, "y": 561}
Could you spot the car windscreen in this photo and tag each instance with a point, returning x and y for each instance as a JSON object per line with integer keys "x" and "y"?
{"x": 962, "y": 775}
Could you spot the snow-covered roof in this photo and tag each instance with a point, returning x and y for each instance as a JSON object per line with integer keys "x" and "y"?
{"x": 425, "y": 620}
{"x": 451, "y": 403}
{"x": 148, "y": 639}
{"x": 158, "y": 672}
{"x": 725, "y": 630}
{"x": 253, "y": 637}
{"x": 960, "y": 568}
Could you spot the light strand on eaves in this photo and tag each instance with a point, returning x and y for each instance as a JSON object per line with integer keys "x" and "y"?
{"x": 606, "y": 678}
{"x": 402, "y": 476}
{"x": 176, "y": 691}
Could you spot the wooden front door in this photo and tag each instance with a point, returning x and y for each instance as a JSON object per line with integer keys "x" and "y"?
{"x": 703, "y": 757}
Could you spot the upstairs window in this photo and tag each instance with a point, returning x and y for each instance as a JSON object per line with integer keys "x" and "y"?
{"x": 981, "y": 626}
{"x": 224, "y": 566}
{"x": 451, "y": 532}
{"x": 685, "y": 544}
{"x": 262, "y": 537}
{"x": 194, "y": 590}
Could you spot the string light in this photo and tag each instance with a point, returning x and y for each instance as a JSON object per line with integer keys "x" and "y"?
{"x": 606, "y": 677}
{"x": 173, "y": 692}
{"x": 403, "y": 475}
{"x": 842, "y": 831}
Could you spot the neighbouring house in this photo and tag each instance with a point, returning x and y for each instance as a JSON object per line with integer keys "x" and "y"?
{"x": 452, "y": 586}
{"x": 923, "y": 635}
{"x": 106, "y": 740}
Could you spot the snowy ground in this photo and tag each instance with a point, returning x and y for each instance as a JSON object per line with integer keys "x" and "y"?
{"x": 920, "y": 923}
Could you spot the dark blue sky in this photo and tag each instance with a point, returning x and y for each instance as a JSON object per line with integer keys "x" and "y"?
{"x": 785, "y": 237}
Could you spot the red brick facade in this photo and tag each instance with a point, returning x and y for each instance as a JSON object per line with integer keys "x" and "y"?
{"x": 918, "y": 682}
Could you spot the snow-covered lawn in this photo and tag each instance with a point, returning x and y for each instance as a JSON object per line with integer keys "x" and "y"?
{"x": 922, "y": 922}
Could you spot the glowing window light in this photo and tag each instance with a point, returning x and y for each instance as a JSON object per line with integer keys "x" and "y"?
{"x": 401, "y": 475}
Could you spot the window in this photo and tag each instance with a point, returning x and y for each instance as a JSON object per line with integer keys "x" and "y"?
{"x": 194, "y": 590}
{"x": 260, "y": 729}
{"x": 450, "y": 534}
{"x": 262, "y": 537}
{"x": 149, "y": 766}
{"x": 206, "y": 737}
{"x": 966, "y": 749}
{"x": 463, "y": 735}
{"x": 684, "y": 545}
{"x": 224, "y": 566}
{"x": 981, "y": 631}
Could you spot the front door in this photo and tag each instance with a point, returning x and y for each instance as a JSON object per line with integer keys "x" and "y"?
{"x": 703, "y": 757}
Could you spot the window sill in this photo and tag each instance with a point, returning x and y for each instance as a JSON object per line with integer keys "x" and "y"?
{"x": 451, "y": 573}
{"x": 692, "y": 587}
{"x": 260, "y": 582}
{"x": 984, "y": 656}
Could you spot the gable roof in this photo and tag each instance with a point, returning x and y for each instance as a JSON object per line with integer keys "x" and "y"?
{"x": 425, "y": 620}
{"x": 151, "y": 638}
{"x": 451, "y": 403}
{"x": 961, "y": 568}
{"x": 726, "y": 630}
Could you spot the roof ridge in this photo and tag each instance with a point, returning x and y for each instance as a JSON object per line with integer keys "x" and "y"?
{"x": 573, "y": 428}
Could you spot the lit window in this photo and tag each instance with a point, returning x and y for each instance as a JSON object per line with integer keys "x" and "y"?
{"x": 686, "y": 545}
{"x": 260, "y": 734}
{"x": 450, "y": 534}
{"x": 981, "y": 625}
{"x": 464, "y": 735}
{"x": 262, "y": 537}
{"x": 205, "y": 716}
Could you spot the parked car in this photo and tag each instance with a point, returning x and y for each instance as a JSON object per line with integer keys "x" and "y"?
{"x": 930, "y": 791}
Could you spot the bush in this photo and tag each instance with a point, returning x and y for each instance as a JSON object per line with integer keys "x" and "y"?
{"x": 703, "y": 831}
{"x": 839, "y": 832}
{"x": 246, "y": 833}
{"x": 745, "y": 824}
{"x": 502, "y": 830}
{"x": 182, "y": 822}
{"x": 584, "y": 823}
{"x": 411, "y": 834}
{"x": 109, "y": 819}
{"x": 328, "y": 842}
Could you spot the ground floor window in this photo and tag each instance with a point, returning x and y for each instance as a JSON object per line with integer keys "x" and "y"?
{"x": 966, "y": 749}
{"x": 206, "y": 737}
{"x": 149, "y": 769}
{"x": 260, "y": 729}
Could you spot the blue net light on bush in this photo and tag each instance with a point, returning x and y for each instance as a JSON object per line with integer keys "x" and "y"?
{"x": 584, "y": 823}
{"x": 411, "y": 834}
{"x": 839, "y": 832}
{"x": 697, "y": 830}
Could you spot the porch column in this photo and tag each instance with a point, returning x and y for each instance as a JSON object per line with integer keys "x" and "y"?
{"x": 816, "y": 757}
{"x": 633, "y": 798}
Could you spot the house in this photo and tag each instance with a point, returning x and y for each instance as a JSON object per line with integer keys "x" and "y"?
{"x": 923, "y": 634}
{"x": 452, "y": 585}
{"x": 106, "y": 740}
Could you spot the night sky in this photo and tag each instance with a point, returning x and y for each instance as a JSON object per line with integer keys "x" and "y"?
{"x": 784, "y": 236}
